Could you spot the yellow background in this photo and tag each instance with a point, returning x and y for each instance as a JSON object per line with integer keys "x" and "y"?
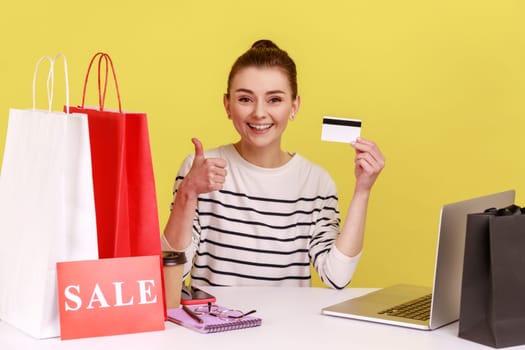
{"x": 439, "y": 85}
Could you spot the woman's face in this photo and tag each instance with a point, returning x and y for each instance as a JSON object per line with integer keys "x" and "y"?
{"x": 260, "y": 105}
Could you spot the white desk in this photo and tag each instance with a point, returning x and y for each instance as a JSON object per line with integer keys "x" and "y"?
{"x": 291, "y": 318}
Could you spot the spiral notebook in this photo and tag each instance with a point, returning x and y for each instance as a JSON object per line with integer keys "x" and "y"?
{"x": 211, "y": 324}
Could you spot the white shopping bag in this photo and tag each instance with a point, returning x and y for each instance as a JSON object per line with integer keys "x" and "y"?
{"x": 47, "y": 211}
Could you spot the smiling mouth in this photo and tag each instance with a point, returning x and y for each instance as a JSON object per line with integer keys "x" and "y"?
{"x": 260, "y": 126}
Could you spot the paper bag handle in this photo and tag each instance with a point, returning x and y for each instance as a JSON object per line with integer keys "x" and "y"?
{"x": 102, "y": 93}
{"x": 50, "y": 83}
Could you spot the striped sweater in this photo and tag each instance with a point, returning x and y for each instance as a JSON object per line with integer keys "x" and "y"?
{"x": 266, "y": 226}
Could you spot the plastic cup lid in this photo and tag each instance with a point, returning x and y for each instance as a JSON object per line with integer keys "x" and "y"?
{"x": 173, "y": 258}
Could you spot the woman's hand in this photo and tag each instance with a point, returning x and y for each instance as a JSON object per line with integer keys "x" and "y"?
{"x": 206, "y": 174}
{"x": 369, "y": 161}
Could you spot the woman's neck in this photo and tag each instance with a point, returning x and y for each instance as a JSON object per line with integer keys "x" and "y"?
{"x": 269, "y": 157}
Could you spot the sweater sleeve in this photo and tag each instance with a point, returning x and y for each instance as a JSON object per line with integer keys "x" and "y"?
{"x": 340, "y": 267}
{"x": 335, "y": 269}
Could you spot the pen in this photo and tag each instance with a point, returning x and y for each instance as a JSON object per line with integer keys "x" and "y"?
{"x": 192, "y": 314}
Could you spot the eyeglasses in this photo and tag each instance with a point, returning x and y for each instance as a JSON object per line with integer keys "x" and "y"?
{"x": 221, "y": 313}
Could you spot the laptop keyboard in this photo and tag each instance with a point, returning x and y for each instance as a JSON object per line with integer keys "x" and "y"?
{"x": 417, "y": 309}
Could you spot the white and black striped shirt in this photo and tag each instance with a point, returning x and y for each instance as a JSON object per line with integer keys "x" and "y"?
{"x": 266, "y": 226}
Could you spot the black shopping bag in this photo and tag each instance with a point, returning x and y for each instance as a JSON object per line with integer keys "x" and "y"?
{"x": 492, "y": 310}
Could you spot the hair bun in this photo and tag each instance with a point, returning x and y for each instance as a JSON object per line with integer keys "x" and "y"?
{"x": 264, "y": 44}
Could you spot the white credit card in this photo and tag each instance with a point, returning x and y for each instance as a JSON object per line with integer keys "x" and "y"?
{"x": 340, "y": 129}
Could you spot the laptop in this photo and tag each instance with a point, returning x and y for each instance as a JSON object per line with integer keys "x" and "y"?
{"x": 426, "y": 307}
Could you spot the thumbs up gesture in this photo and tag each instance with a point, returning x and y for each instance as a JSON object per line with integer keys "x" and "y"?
{"x": 206, "y": 174}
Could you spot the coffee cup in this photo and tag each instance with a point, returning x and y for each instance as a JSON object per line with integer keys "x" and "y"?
{"x": 173, "y": 269}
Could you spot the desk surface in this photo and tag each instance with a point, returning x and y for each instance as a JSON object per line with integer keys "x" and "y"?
{"x": 291, "y": 317}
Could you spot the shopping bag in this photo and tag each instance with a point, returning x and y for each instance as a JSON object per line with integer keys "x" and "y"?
{"x": 47, "y": 211}
{"x": 125, "y": 196}
{"x": 492, "y": 308}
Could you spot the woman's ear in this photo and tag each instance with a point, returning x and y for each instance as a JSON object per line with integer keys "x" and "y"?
{"x": 295, "y": 106}
{"x": 226, "y": 102}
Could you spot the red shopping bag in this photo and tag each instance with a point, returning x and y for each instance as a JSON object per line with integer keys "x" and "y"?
{"x": 123, "y": 178}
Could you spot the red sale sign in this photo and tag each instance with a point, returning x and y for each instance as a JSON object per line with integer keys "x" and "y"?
{"x": 110, "y": 296}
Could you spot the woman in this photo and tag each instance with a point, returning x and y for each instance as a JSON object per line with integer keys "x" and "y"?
{"x": 250, "y": 213}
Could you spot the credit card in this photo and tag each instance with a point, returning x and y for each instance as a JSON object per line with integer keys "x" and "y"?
{"x": 338, "y": 129}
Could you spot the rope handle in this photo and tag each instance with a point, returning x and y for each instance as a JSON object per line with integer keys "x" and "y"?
{"x": 512, "y": 209}
{"x": 102, "y": 92}
{"x": 50, "y": 82}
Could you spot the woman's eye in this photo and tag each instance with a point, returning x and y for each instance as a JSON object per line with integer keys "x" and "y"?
{"x": 244, "y": 99}
{"x": 275, "y": 100}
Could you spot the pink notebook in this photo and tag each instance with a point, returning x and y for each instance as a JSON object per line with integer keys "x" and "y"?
{"x": 211, "y": 323}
